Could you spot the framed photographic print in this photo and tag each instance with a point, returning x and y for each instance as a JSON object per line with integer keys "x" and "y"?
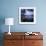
{"x": 27, "y": 15}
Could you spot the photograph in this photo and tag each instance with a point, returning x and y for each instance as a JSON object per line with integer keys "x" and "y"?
{"x": 27, "y": 15}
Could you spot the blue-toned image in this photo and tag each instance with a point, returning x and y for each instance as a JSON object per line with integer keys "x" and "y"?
{"x": 27, "y": 15}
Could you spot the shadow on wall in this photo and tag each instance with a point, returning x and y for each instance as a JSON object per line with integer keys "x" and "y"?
{"x": 2, "y": 21}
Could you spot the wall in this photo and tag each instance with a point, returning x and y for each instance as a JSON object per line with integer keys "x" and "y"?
{"x": 10, "y": 8}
